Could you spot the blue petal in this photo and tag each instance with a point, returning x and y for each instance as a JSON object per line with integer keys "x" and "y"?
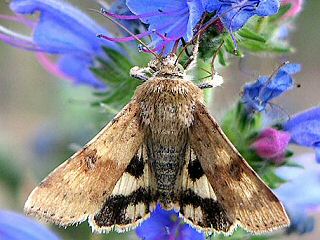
{"x": 268, "y": 7}
{"x": 186, "y": 232}
{"x": 235, "y": 19}
{"x": 139, "y": 7}
{"x": 212, "y": 5}
{"x": 196, "y": 11}
{"x": 149, "y": 6}
{"x": 292, "y": 68}
{"x": 62, "y": 28}
{"x": 317, "y": 150}
{"x": 305, "y": 128}
{"x": 257, "y": 94}
{"x": 159, "y": 225}
{"x": 173, "y": 19}
{"x": 172, "y": 25}
{"x": 281, "y": 83}
{"x": 235, "y": 13}
{"x": 78, "y": 67}
{"x": 15, "y": 226}
{"x": 119, "y": 7}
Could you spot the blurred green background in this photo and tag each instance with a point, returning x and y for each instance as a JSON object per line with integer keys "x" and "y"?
{"x": 43, "y": 120}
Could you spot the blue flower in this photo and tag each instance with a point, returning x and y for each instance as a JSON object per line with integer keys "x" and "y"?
{"x": 301, "y": 194}
{"x": 166, "y": 225}
{"x": 62, "y": 30}
{"x": 301, "y": 222}
{"x": 257, "y": 95}
{"x": 305, "y": 129}
{"x": 15, "y": 226}
{"x": 235, "y": 13}
{"x": 168, "y": 21}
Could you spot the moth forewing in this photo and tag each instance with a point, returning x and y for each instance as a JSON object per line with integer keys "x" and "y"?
{"x": 78, "y": 188}
{"x": 247, "y": 201}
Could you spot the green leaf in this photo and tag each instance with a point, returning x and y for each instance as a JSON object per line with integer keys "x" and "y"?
{"x": 115, "y": 73}
{"x": 249, "y": 34}
{"x": 271, "y": 179}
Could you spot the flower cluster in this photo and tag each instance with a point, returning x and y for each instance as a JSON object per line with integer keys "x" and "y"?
{"x": 177, "y": 20}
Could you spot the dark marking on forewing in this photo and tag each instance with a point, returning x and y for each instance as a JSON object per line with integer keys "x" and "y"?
{"x": 136, "y": 166}
{"x": 114, "y": 209}
{"x": 214, "y": 215}
{"x": 195, "y": 170}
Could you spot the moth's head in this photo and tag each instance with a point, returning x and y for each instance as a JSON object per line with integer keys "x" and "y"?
{"x": 167, "y": 66}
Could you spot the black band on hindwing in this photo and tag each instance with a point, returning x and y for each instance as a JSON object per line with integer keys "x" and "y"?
{"x": 213, "y": 213}
{"x": 114, "y": 209}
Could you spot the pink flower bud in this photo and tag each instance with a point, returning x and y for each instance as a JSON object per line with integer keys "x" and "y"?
{"x": 272, "y": 144}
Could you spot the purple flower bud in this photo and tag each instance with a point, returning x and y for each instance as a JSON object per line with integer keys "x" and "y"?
{"x": 272, "y": 144}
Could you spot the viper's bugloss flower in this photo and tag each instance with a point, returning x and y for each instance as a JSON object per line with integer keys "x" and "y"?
{"x": 272, "y": 144}
{"x": 305, "y": 129}
{"x": 168, "y": 21}
{"x": 166, "y": 225}
{"x": 296, "y": 7}
{"x": 258, "y": 94}
{"x": 16, "y": 226}
{"x": 300, "y": 222}
{"x": 235, "y": 13}
{"x": 61, "y": 30}
{"x": 301, "y": 193}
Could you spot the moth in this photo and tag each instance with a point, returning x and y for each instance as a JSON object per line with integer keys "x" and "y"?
{"x": 162, "y": 148}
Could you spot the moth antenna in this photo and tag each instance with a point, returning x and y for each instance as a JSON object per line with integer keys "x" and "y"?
{"x": 103, "y": 11}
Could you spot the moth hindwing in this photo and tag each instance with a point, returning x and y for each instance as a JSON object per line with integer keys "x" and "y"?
{"x": 165, "y": 148}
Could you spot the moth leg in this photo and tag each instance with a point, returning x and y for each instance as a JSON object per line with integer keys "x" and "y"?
{"x": 142, "y": 74}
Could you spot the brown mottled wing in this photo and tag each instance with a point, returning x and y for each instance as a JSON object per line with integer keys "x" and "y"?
{"x": 247, "y": 201}
{"x": 78, "y": 187}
